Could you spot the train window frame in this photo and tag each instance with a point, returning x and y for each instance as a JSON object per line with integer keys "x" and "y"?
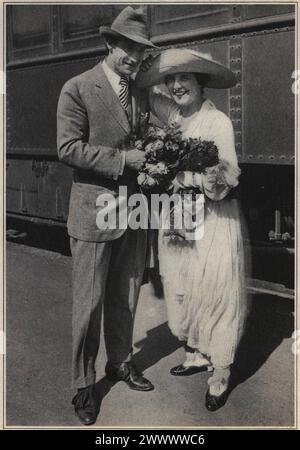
{"x": 256, "y": 11}
{"x": 161, "y": 26}
{"x": 58, "y": 44}
{"x": 60, "y": 47}
{"x": 79, "y": 41}
{"x": 29, "y": 51}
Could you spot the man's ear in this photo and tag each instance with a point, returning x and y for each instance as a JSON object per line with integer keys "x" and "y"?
{"x": 109, "y": 45}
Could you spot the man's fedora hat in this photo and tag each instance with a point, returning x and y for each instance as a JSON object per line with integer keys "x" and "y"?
{"x": 184, "y": 60}
{"x": 131, "y": 24}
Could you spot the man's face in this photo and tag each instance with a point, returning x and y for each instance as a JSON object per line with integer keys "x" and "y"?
{"x": 125, "y": 56}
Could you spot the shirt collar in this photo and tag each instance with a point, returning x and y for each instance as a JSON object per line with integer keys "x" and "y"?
{"x": 112, "y": 77}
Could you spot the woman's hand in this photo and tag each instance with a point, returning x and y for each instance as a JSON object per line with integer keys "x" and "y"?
{"x": 186, "y": 180}
{"x": 146, "y": 63}
{"x": 211, "y": 177}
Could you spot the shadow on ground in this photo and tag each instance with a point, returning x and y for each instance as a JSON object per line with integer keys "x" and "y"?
{"x": 270, "y": 321}
{"x": 54, "y": 238}
{"x": 158, "y": 344}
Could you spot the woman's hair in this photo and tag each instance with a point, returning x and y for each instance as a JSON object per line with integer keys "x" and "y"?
{"x": 202, "y": 78}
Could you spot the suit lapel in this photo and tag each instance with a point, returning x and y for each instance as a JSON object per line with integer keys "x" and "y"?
{"x": 134, "y": 111}
{"x": 110, "y": 99}
{"x": 139, "y": 118}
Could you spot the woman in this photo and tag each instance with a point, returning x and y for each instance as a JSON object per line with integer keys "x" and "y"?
{"x": 203, "y": 279}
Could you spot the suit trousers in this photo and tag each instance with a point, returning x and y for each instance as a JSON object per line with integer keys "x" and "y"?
{"x": 106, "y": 275}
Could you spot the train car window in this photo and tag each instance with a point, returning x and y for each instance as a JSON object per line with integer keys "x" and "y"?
{"x": 80, "y": 21}
{"x": 31, "y": 26}
{"x": 256, "y": 11}
{"x": 175, "y": 18}
{"x": 79, "y": 25}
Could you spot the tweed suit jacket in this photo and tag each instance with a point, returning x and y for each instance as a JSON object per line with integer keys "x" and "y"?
{"x": 91, "y": 126}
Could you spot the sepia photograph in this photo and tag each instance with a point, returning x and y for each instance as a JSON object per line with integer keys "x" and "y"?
{"x": 149, "y": 189}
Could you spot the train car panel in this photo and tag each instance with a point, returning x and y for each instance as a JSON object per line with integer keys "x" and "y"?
{"x": 38, "y": 188}
{"x": 21, "y": 187}
{"x": 31, "y": 123}
{"x": 255, "y": 41}
{"x": 54, "y": 184}
{"x": 268, "y": 100}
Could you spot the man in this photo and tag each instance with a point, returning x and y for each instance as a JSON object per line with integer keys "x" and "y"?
{"x": 96, "y": 111}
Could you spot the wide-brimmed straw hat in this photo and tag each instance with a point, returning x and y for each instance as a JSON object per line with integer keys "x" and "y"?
{"x": 131, "y": 24}
{"x": 184, "y": 60}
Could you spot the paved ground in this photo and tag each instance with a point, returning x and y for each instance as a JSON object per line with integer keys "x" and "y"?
{"x": 38, "y": 316}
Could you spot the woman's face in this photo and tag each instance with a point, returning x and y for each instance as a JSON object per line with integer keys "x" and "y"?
{"x": 184, "y": 88}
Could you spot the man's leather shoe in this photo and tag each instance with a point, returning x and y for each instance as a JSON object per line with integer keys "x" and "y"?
{"x": 183, "y": 371}
{"x": 214, "y": 402}
{"x": 128, "y": 372}
{"x": 85, "y": 405}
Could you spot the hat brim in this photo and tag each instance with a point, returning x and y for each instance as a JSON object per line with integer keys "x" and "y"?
{"x": 182, "y": 60}
{"x": 106, "y": 31}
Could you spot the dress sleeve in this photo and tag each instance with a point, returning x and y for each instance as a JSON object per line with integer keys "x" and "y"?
{"x": 218, "y": 180}
{"x": 161, "y": 105}
{"x": 223, "y": 135}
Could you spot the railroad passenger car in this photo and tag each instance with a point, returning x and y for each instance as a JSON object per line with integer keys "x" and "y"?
{"x": 48, "y": 44}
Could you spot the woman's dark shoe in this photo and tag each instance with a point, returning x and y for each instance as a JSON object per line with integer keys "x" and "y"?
{"x": 129, "y": 373}
{"x": 183, "y": 371}
{"x": 85, "y": 405}
{"x": 214, "y": 402}
{"x": 218, "y": 384}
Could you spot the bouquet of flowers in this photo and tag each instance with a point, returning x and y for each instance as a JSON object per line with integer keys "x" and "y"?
{"x": 197, "y": 156}
{"x": 167, "y": 152}
{"x": 163, "y": 148}
{"x": 170, "y": 157}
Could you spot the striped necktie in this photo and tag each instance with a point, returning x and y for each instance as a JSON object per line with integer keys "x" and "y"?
{"x": 123, "y": 93}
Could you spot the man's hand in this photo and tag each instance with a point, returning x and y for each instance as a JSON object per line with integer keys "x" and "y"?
{"x": 134, "y": 159}
{"x": 147, "y": 63}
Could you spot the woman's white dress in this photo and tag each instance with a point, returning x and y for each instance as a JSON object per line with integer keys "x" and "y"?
{"x": 204, "y": 279}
